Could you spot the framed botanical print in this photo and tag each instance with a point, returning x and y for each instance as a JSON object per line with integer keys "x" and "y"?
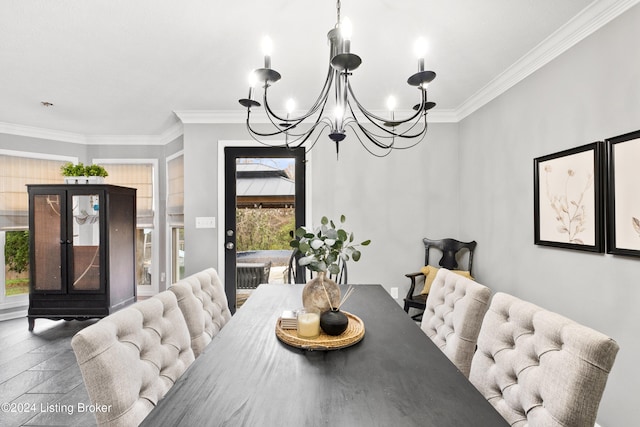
{"x": 623, "y": 196}
{"x": 569, "y": 198}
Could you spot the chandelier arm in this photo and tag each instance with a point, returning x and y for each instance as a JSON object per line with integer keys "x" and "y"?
{"x": 253, "y": 136}
{"x": 303, "y": 137}
{"x": 372, "y": 117}
{"x": 313, "y": 126}
{"x": 371, "y": 136}
{"x": 266, "y": 143}
{"x": 299, "y": 139}
{"x": 321, "y": 100}
{"x": 421, "y": 133}
{"x": 313, "y": 144}
{"x": 255, "y": 132}
{"x": 392, "y": 134}
{"x": 369, "y": 132}
{"x": 306, "y": 135}
{"x": 355, "y": 132}
{"x": 389, "y": 133}
{"x": 296, "y": 143}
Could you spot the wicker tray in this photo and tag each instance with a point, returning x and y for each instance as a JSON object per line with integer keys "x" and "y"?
{"x": 352, "y": 335}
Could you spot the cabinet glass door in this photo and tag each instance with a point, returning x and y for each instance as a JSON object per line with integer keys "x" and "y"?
{"x": 85, "y": 275}
{"x": 48, "y": 243}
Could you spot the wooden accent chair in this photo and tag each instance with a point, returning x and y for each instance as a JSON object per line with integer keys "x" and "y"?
{"x": 539, "y": 368}
{"x": 131, "y": 358}
{"x": 453, "y": 315}
{"x": 451, "y": 250}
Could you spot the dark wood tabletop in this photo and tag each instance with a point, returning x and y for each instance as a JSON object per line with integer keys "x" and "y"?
{"x": 395, "y": 376}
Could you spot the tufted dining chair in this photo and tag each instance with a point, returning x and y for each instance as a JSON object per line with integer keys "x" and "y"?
{"x": 204, "y": 304}
{"x": 453, "y": 316}
{"x": 131, "y": 358}
{"x": 539, "y": 368}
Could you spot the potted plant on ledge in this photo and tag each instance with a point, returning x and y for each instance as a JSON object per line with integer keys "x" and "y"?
{"x": 81, "y": 174}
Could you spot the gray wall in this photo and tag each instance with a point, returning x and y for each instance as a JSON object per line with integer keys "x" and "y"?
{"x": 590, "y": 93}
{"x": 37, "y": 145}
{"x": 388, "y": 200}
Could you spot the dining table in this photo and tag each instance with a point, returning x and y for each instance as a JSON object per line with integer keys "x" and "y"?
{"x": 394, "y": 375}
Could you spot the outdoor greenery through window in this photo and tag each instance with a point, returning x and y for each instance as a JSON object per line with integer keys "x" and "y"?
{"x": 16, "y": 256}
{"x": 264, "y": 228}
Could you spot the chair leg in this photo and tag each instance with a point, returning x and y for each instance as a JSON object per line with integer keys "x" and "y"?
{"x": 417, "y": 317}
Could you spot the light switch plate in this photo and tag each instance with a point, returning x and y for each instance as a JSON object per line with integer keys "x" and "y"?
{"x": 206, "y": 222}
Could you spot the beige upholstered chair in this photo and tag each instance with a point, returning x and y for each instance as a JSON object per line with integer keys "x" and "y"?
{"x": 453, "y": 316}
{"x": 538, "y": 368}
{"x": 204, "y": 304}
{"x": 131, "y": 358}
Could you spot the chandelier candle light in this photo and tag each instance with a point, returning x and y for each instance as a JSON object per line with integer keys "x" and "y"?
{"x": 382, "y": 133}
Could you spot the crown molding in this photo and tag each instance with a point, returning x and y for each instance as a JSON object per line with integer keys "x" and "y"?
{"x": 588, "y": 21}
{"x": 173, "y": 132}
{"x": 211, "y": 116}
{"x": 35, "y": 132}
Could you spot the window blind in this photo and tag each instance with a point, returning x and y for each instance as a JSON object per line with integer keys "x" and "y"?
{"x": 140, "y": 177}
{"x": 175, "y": 190}
{"x": 15, "y": 173}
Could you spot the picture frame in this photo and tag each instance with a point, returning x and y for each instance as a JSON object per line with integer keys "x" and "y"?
{"x": 623, "y": 203}
{"x": 569, "y": 198}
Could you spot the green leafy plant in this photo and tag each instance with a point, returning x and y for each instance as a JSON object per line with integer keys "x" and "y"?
{"x": 95, "y": 170}
{"x": 69, "y": 169}
{"x": 16, "y": 250}
{"x": 325, "y": 246}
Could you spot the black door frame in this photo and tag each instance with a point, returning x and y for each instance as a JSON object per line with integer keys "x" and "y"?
{"x": 232, "y": 153}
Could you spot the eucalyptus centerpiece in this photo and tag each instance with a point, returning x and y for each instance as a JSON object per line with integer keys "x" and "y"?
{"x": 324, "y": 249}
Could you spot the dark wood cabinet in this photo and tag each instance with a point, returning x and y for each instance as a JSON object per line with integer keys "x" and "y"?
{"x": 82, "y": 250}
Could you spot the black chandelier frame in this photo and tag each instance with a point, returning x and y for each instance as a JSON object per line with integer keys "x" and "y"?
{"x": 383, "y": 134}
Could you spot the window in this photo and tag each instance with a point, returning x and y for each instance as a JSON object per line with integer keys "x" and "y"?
{"x": 177, "y": 253}
{"x": 139, "y": 174}
{"x": 17, "y": 169}
{"x": 175, "y": 214}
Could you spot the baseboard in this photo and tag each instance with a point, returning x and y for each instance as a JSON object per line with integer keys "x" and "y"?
{"x": 9, "y": 315}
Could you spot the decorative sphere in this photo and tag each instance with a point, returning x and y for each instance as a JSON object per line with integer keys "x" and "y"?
{"x": 334, "y": 322}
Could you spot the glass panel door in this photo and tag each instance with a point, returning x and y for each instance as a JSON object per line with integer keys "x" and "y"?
{"x": 264, "y": 201}
{"x": 48, "y": 243}
{"x": 86, "y": 242}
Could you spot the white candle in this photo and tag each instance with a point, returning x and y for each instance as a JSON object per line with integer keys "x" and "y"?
{"x": 308, "y": 325}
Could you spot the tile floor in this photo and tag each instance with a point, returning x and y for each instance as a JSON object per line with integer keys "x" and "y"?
{"x": 40, "y": 382}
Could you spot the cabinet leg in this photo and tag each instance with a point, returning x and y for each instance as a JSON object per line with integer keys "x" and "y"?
{"x": 32, "y": 323}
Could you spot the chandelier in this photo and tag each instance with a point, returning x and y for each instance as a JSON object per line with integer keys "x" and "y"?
{"x": 371, "y": 130}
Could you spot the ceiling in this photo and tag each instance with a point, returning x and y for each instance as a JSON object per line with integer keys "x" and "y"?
{"x": 124, "y": 68}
